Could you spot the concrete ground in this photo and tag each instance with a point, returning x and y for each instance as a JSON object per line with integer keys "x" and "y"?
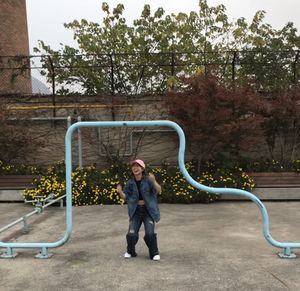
{"x": 203, "y": 247}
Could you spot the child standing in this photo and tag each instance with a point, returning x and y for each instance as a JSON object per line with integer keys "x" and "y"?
{"x": 141, "y": 196}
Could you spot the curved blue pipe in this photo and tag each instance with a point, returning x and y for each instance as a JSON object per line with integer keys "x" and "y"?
{"x": 181, "y": 152}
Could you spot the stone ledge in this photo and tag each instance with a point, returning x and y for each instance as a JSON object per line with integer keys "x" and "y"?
{"x": 11, "y": 195}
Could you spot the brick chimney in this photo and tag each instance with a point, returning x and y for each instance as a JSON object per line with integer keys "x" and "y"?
{"x": 14, "y": 48}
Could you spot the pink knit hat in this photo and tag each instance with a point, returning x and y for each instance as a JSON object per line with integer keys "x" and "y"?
{"x": 139, "y": 162}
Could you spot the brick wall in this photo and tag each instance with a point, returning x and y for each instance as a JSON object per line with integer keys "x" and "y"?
{"x": 155, "y": 145}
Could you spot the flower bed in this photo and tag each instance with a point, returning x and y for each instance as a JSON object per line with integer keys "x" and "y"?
{"x": 92, "y": 186}
{"x": 19, "y": 169}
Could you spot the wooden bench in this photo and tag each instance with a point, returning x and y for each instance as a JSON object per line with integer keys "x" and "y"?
{"x": 276, "y": 180}
{"x": 17, "y": 182}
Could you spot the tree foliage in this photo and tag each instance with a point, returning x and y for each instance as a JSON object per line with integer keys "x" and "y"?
{"x": 282, "y": 125}
{"x": 151, "y": 54}
{"x": 236, "y": 121}
{"x": 216, "y": 118}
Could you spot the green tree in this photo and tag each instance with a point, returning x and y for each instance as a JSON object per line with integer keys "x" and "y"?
{"x": 268, "y": 56}
{"x": 150, "y": 55}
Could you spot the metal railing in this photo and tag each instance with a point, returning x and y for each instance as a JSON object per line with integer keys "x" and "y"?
{"x": 40, "y": 205}
{"x": 142, "y": 73}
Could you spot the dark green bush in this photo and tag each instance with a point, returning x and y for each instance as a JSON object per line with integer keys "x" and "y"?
{"x": 92, "y": 186}
{"x": 20, "y": 169}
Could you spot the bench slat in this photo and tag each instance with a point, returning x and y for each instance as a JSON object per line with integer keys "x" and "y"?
{"x": 278, "y": 180}
{"x": 17, "y": 181}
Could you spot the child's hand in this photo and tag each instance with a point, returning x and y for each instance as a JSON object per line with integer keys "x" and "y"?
{"x": 120, "y": 192}
{"x": 119, "y": 188}
{"x": 152, "y": 177}
{"x": 154, "y": 182}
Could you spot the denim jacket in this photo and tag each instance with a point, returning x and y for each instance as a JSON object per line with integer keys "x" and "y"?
{"x": 149, "y": 194}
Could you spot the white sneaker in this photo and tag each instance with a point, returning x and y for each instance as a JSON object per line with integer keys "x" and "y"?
{"x": 156, "y": 258}
{"x": 127, "y": 255}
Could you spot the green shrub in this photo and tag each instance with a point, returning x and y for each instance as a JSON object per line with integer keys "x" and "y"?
{"x": 89, "y": 186}
{"x": 19, "y": 169}
{"x": 252, "y": 165}
{"x": 177, "y": 190}
{"x": 92, "y": 186}
{"x": 267, "y": 165}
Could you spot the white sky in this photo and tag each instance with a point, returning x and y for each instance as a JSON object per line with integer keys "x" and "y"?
{"x": 46, "y": 17}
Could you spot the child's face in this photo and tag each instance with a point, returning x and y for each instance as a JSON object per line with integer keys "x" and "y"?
{"x": 136, "y": 169}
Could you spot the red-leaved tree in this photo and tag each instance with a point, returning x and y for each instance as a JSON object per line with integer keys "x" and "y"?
{"x": 216, "y": 118}
{"x": 282, "y": 125}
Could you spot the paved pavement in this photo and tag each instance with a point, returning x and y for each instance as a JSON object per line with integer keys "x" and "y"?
{"x": 203, "y": 247}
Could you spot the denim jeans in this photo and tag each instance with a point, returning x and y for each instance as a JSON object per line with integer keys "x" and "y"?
{"x": 140, "y": 216}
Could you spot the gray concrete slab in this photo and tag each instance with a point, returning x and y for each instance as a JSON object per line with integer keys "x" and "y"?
{"x": 203, "y": 247}
{"x": 11, "y": 195}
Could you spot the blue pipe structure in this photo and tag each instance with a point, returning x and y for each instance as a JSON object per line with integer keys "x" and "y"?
{"x": 286, "y": 246}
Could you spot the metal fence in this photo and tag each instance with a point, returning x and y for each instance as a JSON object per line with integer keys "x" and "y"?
{"x": 142, "y": 73}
